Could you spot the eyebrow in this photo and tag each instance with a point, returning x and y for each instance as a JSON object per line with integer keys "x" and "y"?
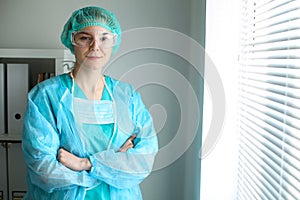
{"x": 83, "y": 32}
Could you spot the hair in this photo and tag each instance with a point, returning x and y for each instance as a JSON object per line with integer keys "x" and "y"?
{"x": 90, "y": 16}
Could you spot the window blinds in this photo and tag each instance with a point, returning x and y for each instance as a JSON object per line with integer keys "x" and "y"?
{"x": 269, "y": 101}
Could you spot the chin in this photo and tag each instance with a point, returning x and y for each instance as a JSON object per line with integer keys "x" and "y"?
{"x": 93, "y": 65}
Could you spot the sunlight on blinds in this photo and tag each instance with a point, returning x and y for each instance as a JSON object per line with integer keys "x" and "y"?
{"x": 269, "y": 100}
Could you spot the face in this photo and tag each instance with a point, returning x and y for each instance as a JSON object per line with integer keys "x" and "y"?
{"x": 93, "y": 56}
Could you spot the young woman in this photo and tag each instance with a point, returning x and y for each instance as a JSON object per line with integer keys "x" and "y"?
{"x": 87, "y": 135}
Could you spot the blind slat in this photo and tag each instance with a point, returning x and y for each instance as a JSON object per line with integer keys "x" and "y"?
{"x": 292, "y": 161}
{"x": 279, "y": 117}
{"x": 279, "y": 98}
{"x": 269, "y": 100}
{"x": 257, "y": 188}
{"x": 273, "y": 62}
{"x": 272, "y": 71}
{"x": 261, "y": 157}
{"x": 273, "y": 116}
{"x": 247, "y": 47}
{"x": 274, "y": 84}
{"x": 260, "y": 167}
{"x": 277, "y": 31}
{"x": 277, "y": 22}
{"x": 265, "y": 5}
{"x": 264, "y": 36}
{"x": 275, "y": 10}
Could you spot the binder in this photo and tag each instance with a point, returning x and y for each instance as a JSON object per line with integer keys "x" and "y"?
{"x": 2, "y": 96}
{"x": 3, "y": 169}
{"x": 17, "y": 89}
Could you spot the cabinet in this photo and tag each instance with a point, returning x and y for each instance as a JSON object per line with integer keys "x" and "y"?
{"x": 13, "y": 172}
{"x": 20, "y": 70}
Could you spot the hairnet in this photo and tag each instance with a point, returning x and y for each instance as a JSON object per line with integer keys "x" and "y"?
{"x": 90, "y": 16}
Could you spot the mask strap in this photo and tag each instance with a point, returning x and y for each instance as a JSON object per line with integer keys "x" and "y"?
{"x": 115, "y": 113}
{"x": 73, "y": 83}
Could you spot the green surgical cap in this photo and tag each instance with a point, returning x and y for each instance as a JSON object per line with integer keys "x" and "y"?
{"x": 90, "y": 16}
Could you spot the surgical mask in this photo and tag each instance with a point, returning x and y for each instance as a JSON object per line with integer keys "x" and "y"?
{"x": 93, "y": 111}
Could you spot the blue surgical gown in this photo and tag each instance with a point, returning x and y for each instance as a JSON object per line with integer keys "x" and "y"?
{"x": 96, "y": 139}
{"x": 49, "y": 125}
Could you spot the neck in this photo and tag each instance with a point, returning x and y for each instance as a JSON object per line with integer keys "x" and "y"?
{"x": 90, "y": 81}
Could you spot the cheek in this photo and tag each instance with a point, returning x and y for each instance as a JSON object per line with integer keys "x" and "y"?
{"x": 108, "y": 53}
{"x": 108, "y": 56}
{"x": 79, "y": 54}
{"x": 76, "y": 52}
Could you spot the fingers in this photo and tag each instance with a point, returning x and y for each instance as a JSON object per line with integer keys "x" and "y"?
{"x": 66, "y": 158}
{"x": 63, "y": 155}
{"x": 130, "y": 141}
{"x": 132, "y": 137}
{"x": 128, "y": 144}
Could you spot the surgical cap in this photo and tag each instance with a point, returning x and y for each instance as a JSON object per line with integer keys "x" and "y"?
{"x": 90, "y": 16}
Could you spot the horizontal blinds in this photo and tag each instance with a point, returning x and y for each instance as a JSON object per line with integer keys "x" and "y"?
{"x": 269, "y": 100}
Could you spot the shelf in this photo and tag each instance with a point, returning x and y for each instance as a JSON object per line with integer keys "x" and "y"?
{"x": 33, "y": 53}
{"x": 12, "y": 138}
{"x": 61, "y": 56}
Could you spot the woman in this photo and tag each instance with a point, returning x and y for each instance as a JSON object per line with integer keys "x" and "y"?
{"x": 87, "y": 135}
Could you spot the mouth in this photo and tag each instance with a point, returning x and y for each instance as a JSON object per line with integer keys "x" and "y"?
{"x": 94, "y": 57}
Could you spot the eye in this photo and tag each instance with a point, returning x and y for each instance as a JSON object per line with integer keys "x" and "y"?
{"x": 85, "y": 38}
{"x": 105, "y": 38}
{"x": 102, "y": 39}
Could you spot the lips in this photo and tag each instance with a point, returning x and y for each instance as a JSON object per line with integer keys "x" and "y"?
{"x": 94, "y": 57}
{"x": 95, "y": 54}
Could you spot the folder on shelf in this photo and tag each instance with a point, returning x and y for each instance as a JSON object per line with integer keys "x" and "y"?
{"x": 40, "y": 77}
{"x": 44, "y": 75}
{"x": 17, "y": 89}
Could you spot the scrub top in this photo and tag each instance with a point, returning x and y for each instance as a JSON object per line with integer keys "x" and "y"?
{"x": 95, "y": 139}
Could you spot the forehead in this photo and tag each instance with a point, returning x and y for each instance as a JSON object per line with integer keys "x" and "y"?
{"x": 95, "y": 28}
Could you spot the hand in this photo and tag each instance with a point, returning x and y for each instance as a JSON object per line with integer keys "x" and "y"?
{"x": 73, "y": 162}
{"x": 128, "y": 144}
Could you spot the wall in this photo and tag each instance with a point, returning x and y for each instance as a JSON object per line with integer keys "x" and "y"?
{"x": 219, "y": 167}
{"x": 38, "y": 24}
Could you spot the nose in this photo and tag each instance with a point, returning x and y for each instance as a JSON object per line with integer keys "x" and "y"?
{"x": 95, "y": 46}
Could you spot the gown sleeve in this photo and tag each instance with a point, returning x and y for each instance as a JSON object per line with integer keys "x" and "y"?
{"x": 128, "y": 169}
{"x": 40, "y": 143}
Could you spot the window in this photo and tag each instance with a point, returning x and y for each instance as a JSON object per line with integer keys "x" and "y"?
{"x": 269, "y": 101}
